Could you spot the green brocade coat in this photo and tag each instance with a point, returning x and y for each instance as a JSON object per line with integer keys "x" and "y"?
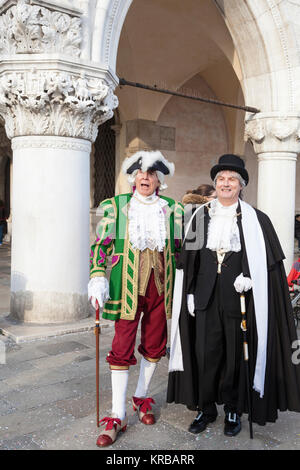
{"x": 112, "y": 240}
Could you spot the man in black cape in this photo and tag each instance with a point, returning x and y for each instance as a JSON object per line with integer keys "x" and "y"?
{"x": 238, "y": 252}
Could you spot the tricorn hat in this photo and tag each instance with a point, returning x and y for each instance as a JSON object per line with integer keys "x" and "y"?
{"x": 148, "y": 160}
{"x": 232, "y": 163}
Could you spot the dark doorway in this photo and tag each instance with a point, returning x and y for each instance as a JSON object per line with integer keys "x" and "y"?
{"x": 104, "y": 165}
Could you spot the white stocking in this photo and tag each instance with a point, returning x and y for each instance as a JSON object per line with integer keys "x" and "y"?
{"x": 119, "y": 380}
{"x": 146, "y": 372}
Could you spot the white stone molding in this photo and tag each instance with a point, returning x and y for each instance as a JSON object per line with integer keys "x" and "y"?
{"x": 50, "y": 142}
{"x": 108, "y": 23}
{"x": 30, "y": 29}
{"x": 55, "y": 103}
{"x": 274, "y": 132}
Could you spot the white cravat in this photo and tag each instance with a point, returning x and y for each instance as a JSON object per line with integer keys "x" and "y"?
{"x": 223, "y": 232}
{"x": 147, "y": 225}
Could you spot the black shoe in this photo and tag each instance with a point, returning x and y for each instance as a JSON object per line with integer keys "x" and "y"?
{"x": 200, "y": 422}
{"x": 232, "y": 424}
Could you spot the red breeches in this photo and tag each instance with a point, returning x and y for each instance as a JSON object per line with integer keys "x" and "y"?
{"x": 153, "y": 331}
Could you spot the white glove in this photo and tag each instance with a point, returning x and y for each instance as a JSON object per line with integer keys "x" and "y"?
{"x": 191, "y": 304}
{"x": 242, "y": 284}
{"x": 98, "y": 289}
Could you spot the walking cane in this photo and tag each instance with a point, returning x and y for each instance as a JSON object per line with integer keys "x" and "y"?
{"x": 97, "y": 332}
{"x": 246, "y": 360}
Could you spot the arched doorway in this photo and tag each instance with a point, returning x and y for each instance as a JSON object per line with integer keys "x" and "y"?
{"x": 184, "y": 47}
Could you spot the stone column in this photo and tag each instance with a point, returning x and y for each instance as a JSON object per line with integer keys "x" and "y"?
{"x": 276, "y": 141}
{"x": 52, "y": 106}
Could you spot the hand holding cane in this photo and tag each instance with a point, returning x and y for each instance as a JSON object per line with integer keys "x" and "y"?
{"x": 97, "y": 332}
{"x": 246, "y": 359}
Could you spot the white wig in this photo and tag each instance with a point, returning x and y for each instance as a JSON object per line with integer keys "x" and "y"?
{"x": 148, "y": 160}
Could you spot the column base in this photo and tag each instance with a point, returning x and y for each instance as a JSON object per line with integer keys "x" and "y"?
{"x": 23, "y": 332}
{"x": 48, "y": 307}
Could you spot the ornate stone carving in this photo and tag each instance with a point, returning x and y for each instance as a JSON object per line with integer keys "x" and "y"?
{"x": 26, "y": 28}
{"x": 254, "y": 130}
{"x": 274, "y": 133}
{"x": 54, "y": 103}
{"x": 52, "y": 142}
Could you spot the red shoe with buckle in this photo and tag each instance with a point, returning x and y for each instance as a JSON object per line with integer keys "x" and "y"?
{"x": 113, "y": 425}
{"x": 144, "y": 409}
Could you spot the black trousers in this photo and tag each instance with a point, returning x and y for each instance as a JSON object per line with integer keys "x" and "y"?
{"x": 218, "y": 354}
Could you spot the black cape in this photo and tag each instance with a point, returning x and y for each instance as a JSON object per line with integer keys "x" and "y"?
{"x": 282, "y": 379}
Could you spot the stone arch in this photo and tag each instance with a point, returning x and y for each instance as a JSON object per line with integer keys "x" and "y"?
{"x": 257, "y": 29}
{"x": 108, "y": 22}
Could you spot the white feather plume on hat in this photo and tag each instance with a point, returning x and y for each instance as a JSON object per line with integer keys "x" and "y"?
{"x": 146, "y": 160}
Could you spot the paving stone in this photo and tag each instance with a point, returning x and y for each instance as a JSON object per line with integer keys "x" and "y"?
{"x": 48, "y": 401}
{"x": 55, "y": 362}
{"x": 20, "y": 443}
{"x": 83, "y": 359}
{"x": 22, "y": 423}
{"x": 81, "y": 435}
{"x": 5, "y": 408}
{"x": 78, "y": 407}
{"x": 30, "y": 379}
{"x": 61, "y": 348}
{"x": 28, "y": 354}
{"x": 30, "y": 398}
{"x": 9, "y": 371}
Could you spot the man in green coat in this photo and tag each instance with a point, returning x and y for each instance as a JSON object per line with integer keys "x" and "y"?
{"x": 142, "y": 232}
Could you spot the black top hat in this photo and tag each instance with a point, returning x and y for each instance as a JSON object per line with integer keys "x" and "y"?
{"x": 232, "y": 163}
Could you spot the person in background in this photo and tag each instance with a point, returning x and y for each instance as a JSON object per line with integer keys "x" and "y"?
{"x": 201, "y": 195}
{"x": 294, "y": 274}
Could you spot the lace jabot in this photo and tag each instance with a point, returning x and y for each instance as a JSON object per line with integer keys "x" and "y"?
{"x": 223, "y": 232}
{"x": 147, "y": 224}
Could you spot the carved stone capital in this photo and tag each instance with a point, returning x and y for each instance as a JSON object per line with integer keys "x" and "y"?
{"x": 45, "y": 88}
{"x": 274, "y": 132}
{"x": 26, "y": 28}
{"x": 55, "y": 103}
